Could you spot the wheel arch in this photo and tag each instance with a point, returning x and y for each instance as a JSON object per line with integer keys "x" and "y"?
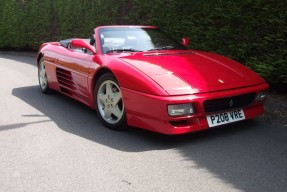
{"x": 100, "y": 72}
{"x": 39, "y": 57}
{"x": 129, "y": 77}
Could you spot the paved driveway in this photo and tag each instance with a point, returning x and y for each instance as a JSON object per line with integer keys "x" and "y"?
{"x": 53, "y": 143}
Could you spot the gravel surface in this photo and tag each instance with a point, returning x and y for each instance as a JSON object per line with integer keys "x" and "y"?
{"x": 276, "y": 109}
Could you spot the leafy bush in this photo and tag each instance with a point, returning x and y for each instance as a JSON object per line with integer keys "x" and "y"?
{"x": 251, "y": 32}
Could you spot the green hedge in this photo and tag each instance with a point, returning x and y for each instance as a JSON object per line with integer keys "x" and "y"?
{"x": 252, "y": 32}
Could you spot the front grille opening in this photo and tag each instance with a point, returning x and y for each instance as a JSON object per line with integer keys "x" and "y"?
{"x": 239, "y": 101}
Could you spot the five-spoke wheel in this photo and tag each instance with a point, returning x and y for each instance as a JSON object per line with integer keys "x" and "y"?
{"x": 109, "y": 102}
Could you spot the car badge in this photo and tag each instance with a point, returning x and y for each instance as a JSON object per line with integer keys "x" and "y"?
{"x": 220, "y": 80}
{"x": 231, "y": 102}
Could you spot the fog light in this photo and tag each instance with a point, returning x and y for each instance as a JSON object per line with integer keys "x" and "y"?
{"x": 261, "y": 96}
{"x": 180, "y": 109}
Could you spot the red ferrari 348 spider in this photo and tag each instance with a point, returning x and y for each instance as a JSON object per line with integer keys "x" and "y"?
{"x": 139, "y": 76}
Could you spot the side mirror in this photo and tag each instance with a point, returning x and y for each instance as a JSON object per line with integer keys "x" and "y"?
{"x": 185, "y": 41}
{"x": 82, "y": 44}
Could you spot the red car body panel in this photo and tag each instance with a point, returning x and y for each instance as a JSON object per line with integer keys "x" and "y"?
{"x": 152, "y": 80}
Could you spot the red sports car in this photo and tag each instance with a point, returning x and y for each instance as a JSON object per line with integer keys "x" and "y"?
{"x": 139, "y": 76}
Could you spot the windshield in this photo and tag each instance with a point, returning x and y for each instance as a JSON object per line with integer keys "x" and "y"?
{"x": 136, "y": 40}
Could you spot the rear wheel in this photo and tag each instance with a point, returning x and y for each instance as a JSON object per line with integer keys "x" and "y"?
{"x": 109, "y": 102}
{"x": 42, "y": 77}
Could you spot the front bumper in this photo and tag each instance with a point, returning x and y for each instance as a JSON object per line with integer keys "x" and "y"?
{"x": 150, "y": 112}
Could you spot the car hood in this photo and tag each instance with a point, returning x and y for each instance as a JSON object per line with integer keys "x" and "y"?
{"x": 189, "y": 72}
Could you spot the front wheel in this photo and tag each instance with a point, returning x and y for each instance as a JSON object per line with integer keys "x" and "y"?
{"x": 109, "y": 102}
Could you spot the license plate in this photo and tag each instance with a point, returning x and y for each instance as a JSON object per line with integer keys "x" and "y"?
{"x": 225, "y": 118}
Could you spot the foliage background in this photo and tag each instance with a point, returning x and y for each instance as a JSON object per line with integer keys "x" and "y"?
{"x": 252, "y": 32}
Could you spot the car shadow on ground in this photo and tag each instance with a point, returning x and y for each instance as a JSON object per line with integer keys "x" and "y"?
{"x": 76, "y": 118}
{"x": 247, "y": 155}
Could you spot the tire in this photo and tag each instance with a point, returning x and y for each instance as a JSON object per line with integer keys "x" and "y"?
{"x": 109, "y": 102}
{"x": 42, "y": 77}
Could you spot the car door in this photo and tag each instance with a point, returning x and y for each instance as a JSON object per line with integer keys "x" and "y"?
{"x": 72, "y": 73}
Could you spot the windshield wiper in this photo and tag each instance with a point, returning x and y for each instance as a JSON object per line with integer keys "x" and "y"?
{"x": 162, "y": 48}
{"x": 122, "y": 50}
